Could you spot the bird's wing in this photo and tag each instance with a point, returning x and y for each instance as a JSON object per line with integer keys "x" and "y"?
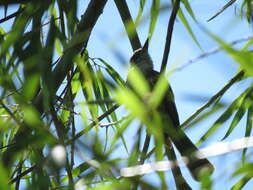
{"x": 168, "y": 105}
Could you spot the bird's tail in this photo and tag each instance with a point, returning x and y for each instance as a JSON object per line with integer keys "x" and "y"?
{"x": 187, "y": 149}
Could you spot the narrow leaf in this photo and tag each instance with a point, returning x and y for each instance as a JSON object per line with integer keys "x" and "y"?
{"x": 154, "y": 15}
{"x": 138, "y": 82}
{"x": 239, "y": 114}
{"x": 188, "y": 27}
{"x": 222, "y": 9}
{"x": 224, "y": 117}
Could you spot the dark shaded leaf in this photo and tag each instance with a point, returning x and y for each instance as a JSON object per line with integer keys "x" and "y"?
{"x": 222, "y": 9}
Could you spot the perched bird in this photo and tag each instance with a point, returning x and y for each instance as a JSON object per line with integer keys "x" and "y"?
{"x": 168, "y": 110}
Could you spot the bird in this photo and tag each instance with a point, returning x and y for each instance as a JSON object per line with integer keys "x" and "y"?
{"x": 172, "y": 132}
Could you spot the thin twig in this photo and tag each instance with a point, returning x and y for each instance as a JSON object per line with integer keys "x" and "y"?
{"x": 94, "y": 123}
{"x": 211, "y": 52}
{"x": 11, "y": 15}
{"x": 23, "y": 174}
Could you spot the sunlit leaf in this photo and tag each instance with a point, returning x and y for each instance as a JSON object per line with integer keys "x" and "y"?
{"x": 245, "y": 169}
{"x": 189, "y": 9}
{"x": 77, "y": 171}
{"x": 188, "y": 27}
{"x": 241, "y": 183}
{"x": 87, "y": 82}
{"x": 243, "y": 57}
{"x": 112, "y": 72}
{"x": 141, "y": 7}
{"x": 132, "y": 103}
{"x": 75, "y": 83}
{"x": 154, "y": 15}
{"x": 58, "y": 47}
{"x": 137, "y": 81}
{"x": 159, "y": 91}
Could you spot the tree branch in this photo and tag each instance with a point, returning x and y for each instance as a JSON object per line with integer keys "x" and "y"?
{"x": 113, "y": 108}
{"x": 166, "y": 52}
{"x": 11, "y": 15}
{"x": 128, "y": 23}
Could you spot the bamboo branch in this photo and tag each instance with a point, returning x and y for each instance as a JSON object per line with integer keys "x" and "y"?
{"x": 166, "y": 52}
{"x": 128, "y": 23}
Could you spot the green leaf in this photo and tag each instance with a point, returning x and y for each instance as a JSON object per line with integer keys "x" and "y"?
{"x": 159, "y": 91}
{"x": 248, "y": 129}
{"x": 241, "y": 183}
{"x": 132, "y": 102}
{"x": 78, "y": 171}
{"x": 245, "y": 169}
{"x": 100, "y": 90}
{"x": 138, "y": 82}
{"x": 189, "y": 9}
{"x": 188, "y": 27}
{"x": 224, "y": 117}
{"x": 32, "y": 83}
{"x": 205, "y": 115}
{"x": 87, "y": 82}
{"x": 58, "y": 47}
{"x": 141, "y": 7}
{"x": 17, "y": 30}
{"x": 114, "y": 74}
{"x": 154, "y": 15}
{"x": 247, "y": 45}
{"x": 121, "y": 126}
{"x": 75, "y": 83}
{"x": 32, "y": 116}
{"x": 239, "y": 114}
{"x": 243, "y": 57}
{"x": 249, "y": 122}
{"x": 248, "y": 12}
{"x": 4, "y": 178}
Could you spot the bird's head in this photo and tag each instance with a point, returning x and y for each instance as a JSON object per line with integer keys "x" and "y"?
{"x": 141, "y": 59}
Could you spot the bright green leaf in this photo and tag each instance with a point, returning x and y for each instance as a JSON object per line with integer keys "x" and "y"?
{"x": 137, "y": 81}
